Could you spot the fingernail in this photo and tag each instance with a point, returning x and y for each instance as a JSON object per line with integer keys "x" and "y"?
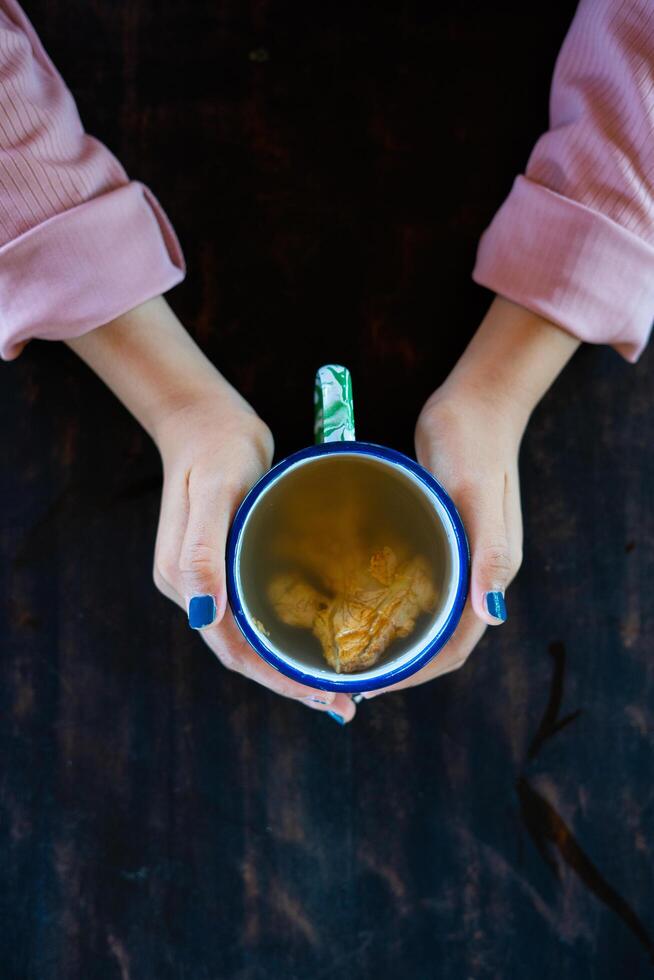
{"x": 325, "y": 700}
{"x": 201, "y": 611}
{"x": 358, "y": 698}
{"x": 496, "y": 605}
{"x": 339, "y": 718}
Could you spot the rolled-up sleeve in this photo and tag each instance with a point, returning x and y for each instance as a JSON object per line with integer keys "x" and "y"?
{"x": 574, "y": 240}
{"x": 79, "y": 242}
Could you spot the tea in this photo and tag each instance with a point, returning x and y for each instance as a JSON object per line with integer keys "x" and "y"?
{"x": 343, "y": 561}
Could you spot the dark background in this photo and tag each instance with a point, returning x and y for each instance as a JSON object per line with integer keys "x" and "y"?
{"x": 329, "y": 169}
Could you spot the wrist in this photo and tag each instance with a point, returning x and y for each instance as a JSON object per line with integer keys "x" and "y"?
{"x": 498, "y": 403}
{"x": 154, "y": 367}
{"x": 512, "y": 360}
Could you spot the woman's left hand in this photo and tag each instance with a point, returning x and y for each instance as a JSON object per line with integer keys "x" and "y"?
{"x": 469, "y": 439}
{"x": 468, "y": 435}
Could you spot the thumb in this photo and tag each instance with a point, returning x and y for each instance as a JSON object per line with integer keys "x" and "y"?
{"x": 493, "y": 561}
{"x": 202, "y": 554}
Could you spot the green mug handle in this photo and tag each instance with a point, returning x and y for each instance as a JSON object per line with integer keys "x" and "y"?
{"x": 333, "y": 405}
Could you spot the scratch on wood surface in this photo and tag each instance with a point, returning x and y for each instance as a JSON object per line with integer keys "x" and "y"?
{"x": 242, "y": 722}
{"x": 550, "y": 834}
{"x": 251, "y": 898}
{"x": 373, "y": 860}
{"x": 551, "y": 723}
{"x": 638, "y": 719}
{"x": 339, "y": 967}
{"x": 285, "y": 798}
{"x": 554, "y": 840}
{"x": 504, "y": 871}
{"x": 120, "y": 953}
{"x": 291, "y": 909}
{"x": 636, "y": 819}
{"x": 630, "y": 626}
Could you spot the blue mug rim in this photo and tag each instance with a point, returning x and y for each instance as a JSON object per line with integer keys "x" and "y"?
{"x": 349, "y": 684}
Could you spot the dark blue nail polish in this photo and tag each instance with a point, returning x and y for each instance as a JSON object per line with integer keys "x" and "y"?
{"x": 338, "y": 718}
{"x": 201, "y": 611}
{"x": 318, "y": 700}
{"x": 496, "y": 605}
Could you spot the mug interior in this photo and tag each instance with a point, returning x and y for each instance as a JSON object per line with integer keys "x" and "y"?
{"x": 388, "y": 496}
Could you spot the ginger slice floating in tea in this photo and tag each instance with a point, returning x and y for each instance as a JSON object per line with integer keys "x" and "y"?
{"x": 370, "y": 599}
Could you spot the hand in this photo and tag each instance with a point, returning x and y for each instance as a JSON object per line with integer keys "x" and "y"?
{"x": 468, "y": 435}
{"x": 470, "y": 440}
{"x": 213, "y": 450}
{"x": 213, "y": 447}
{"x": 471, "y": 445}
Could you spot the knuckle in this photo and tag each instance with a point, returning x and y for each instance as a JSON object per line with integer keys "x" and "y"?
{"x": 197, "y": 558}
{"x": 234, "y": 490}
{"x": 438, "y": 416}
{"x": 497, "y": 558}
{"x": 222, "y": 485}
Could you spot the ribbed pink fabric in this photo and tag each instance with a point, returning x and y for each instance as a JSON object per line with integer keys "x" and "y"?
{"x": 79, "y": 243}
{"x": 574, "y": 240}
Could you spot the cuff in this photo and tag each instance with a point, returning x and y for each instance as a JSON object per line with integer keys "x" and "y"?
{"x": 571, "y": 265}
{"x": 84, "y": 267}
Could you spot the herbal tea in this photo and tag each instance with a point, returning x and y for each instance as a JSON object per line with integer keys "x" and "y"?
{"x": 343, "y": 562}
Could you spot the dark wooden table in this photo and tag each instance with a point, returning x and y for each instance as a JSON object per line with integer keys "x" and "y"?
{"x": 329, "y": 169}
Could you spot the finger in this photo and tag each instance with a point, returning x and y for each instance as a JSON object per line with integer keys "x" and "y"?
{"x": 341, "y": 710}
{"x": 231, "y": 648}
{"x": 173, "y": 519}
{"x": 494, "y": 560}
{"x": 452, "y": 657}
{"x": 201, "y": 574}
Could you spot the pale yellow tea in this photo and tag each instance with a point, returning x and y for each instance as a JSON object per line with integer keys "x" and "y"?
{"x": 344, "y": 561}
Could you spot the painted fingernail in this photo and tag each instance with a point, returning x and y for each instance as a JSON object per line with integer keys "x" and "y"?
{"x": 357, "y": 698}
{"x": 201, "y": 611}
{"x": 496, "y": 605}
{"x": 339, "y": 718}
{"x": 318, "y": 700}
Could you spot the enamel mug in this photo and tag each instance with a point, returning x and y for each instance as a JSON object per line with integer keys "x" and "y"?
{"x": 418, "y": 500}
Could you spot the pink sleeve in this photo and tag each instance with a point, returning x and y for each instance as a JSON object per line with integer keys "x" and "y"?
{"x": 574, "y": 240}
{"x": 79, "y": 243}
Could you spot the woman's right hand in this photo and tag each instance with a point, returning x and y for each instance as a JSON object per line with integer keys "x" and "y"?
{"x": 213, "y": 450}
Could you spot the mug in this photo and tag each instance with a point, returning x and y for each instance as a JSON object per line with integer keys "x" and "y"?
{"x": 324, "y": 476}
